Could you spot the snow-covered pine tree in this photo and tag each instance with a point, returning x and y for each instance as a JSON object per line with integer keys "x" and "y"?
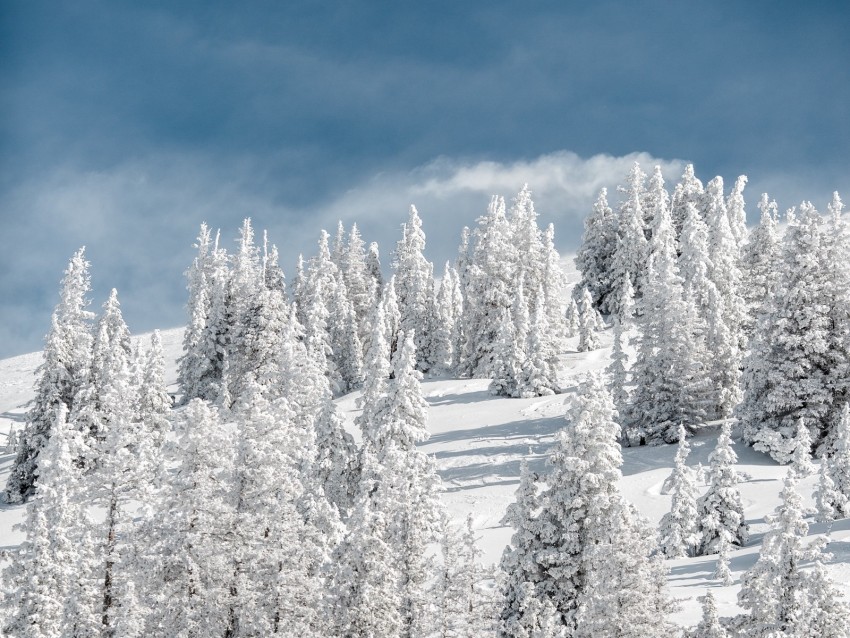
{"x": 201, "y": 368}
{"x": 786, "y": 374}
{"x": 66, "y": 354}
{"x": 829, "y": 501}
{"x": 410, "y": 480}
{"x": 587, "y": 339}
{"x": 720, "y": 508}
{"x": 721, "y": 569}
{"x": 346, "y": 349}
{"x": 153, "y": 412}
{"x": 801, "y": 459}
{"x": 272, "y": 587}
{"x": 528, "y": 241}
{"x": 665, "y": 376}
{"x": 632, "y": 250}
{"x": 776, "y": 590}
{"x": 39, "y": 579}
{"x": 551, "y": 291}
{"x": 112, "y": 452}
{"x": 414, "y": 288}
{"x": 595, "y": 256}
{"x": 736, "y": 210}
{"x": 446, "y": 318}
{"x": 571, "y": 317}
{"x": 678, "y": 528}
{"x": 617, "y": 370}
{"x": 759, "y": 262}
{"x": 373, "y": 268}
{"x": 185, "y": 555}
{"x": 709, "y": 626}
{"x": 359, "y": 281}
{"x": 520, "y": 569}
{"x": 489, "y": 278}
{"x": 582, "y": 511}
{"x": 689, "y": 190}
{"x": 725, "y": 273}
{"x": 365, "y": 583}
{"x": 826, "y": 613}
{"x": 194, "y": 364}
{"x": 508, "y": 357}
{"x": 245, "y": 284}
{"x": 539, "y": 372}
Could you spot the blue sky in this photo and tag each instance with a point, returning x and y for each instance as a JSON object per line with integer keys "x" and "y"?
{"x": 124, "y": 125}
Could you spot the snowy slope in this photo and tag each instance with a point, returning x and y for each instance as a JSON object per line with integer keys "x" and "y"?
{"x": 478, "y": 442}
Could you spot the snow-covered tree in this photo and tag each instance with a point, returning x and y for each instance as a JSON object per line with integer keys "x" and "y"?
{"x": 720, "y": 509}
{"x": 721, "y": 569}
{"x": 801, "y": 460}
{"x": 587, "y": 338}
{"x": 414, "y": 288}
{"x": 735, "y": 209}
{"x": 346, "y": 349}
{"x": 618, "y": 371}
{"x": 786, "y": 374}
{"x": 506, "y": 368}
{"x": 665, "y": 375}
{"x": 632, "y": 249}
{"x": 67, "y": 350}
{"x": 825, "y": 612}
{"x": 595, "y": 256}
{"x": 571, "y": 317}
{"x": 759, "y": 262}
{"x": 39, "y": 579}
{"x": 539, "y": 374}
{"x": 709, "y": 626}
{"x": 519, "y": 566}
{"x": 589, "y": 536}
{"x": 775, "y": 590}
{"x": 550, "y": 291}
{"x": 689, "y": 190}
{"x": 678, "y": 529}
{"x": 489, "y": 279}
{"x": 186, "y": 553}
{"x": 447, "y": 315}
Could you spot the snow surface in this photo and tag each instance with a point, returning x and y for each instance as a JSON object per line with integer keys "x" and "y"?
{"x": 478, "y": 442}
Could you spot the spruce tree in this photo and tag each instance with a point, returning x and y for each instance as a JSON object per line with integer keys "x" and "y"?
{"x": 666, "y": 379}
{"x": 678, "y": 529}
{"x": 838, "y": 467}
{"x": 67, "y": 351}
{"x": 735, "y": 209}
{"x": 689, "y": 190}
{"x": 787, "y": 373}
{"x": 720, "y": 509}
{"x": 595, "y": 256}
{"x": 506, "y": 369}
{"x": 631, "y": 251}
{"x": 759, "y": 262}
{"x": 587, "y": 339}
{"x": 709, "y": 626}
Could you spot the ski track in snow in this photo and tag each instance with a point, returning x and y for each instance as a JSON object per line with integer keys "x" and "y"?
{"x": 478, "y": 442}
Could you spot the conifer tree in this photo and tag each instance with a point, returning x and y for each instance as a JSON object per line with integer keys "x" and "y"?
{"x": 721, "y": 570}
{"x": 519, "y": 566}
{"x": 689, "y": 190}
{"x": 678, "y": 530}
{"x": 506, "y": 369}
{"x": 632, "y": 249}
{"x": 414, "y": 287}
{"x": 346, "y": 349}
{"x": 666, "y": 380}
{"x": 539, "y": 375}
{"x": 589, "y": 535}
{"x": 829, "y": 501}
{"x": 489, "y": 280}
{"x": 709, "y": 626}
{"x": 735, "y": 209}
{"x": 66, "y": 355}
{"x": 825, "y": 612}
{"x": 447, "y": 315}
{"x": 759, "y": 262}
{"x": 775, "y": 590}
{"x": 786, "y": 374}
{"x": 154, "y": 400}
{"x": 189, "y": 531}
{"x": 801, "y": 460}
{"x": 39, "y": 579}
{"x": 720, "y": 509}
{"x": 618, "y": 372}
{"x": 595, "y": 256}
{"x": 550, "y": 291}
{"x": 571, "y": 317}
{"x": 587, "y": 339}
{"x": 193, "y": 365}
